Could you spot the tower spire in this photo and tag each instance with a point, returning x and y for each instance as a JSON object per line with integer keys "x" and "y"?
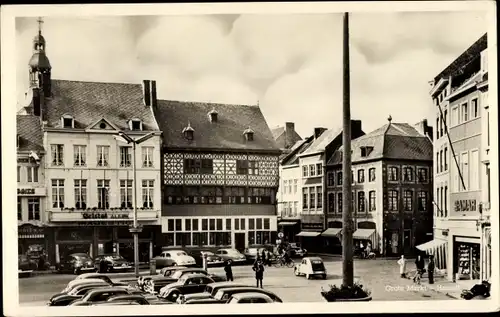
{"x": 40, "y": 22}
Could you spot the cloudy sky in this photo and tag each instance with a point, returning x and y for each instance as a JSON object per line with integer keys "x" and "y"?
{"x": 290, "y": 64}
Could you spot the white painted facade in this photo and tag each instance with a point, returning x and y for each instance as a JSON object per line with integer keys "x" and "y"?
{"x": 312, "y": 180}
{"x": 31, "y": 190}
{"x": 290, "y": 191}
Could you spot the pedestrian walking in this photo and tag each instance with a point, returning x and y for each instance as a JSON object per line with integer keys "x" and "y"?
{"x": 430, "y": 269}
{"x": 258, "y": 267}
{"x": 402, "y": 266}
{"x": 420, "y": 264}
{"x": 229, "y": 271}
{"x": 263, "y": 256}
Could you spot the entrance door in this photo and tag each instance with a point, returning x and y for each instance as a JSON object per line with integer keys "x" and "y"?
{"x": 407, "y": 242}
{"x": 239, "y": 241}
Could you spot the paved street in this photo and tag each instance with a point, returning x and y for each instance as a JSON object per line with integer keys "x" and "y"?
{"x": 380, "y": 276}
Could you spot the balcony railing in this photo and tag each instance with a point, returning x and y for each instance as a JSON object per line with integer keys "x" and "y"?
{"x": 96, "y": 214}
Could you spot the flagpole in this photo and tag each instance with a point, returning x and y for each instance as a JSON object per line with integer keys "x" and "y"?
{"x": 347, "y": 252}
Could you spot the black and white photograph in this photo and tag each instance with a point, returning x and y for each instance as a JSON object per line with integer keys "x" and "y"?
{"x": 321, "y": 157}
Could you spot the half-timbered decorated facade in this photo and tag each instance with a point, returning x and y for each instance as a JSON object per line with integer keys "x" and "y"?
{"x": 220, "y": 175}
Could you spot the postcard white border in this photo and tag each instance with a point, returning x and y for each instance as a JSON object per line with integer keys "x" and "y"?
{"x": 8, "y": 71}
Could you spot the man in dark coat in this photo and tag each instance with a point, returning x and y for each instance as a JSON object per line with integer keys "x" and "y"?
{"x": 258, "y": 267}
{"x": 430, "y": 269}
{"x": 420, "y": 264}
{"x": 229, "y": 270}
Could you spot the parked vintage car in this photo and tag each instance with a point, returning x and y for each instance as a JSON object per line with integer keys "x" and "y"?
{"x": 64, "y": 299}
{"x": 76, "y": 263}
{"x": 310, "y": 267}
{"x": 173, "y": 258}
{"x": 223, "y": 295}
{"x": 189, "y": 284}
{"x": 115, "y": 262}
{"x": 100, "y": 278}
{"x": 212, "y": 259}
{"x": 102, "y": 294}
{"x": 210, "y": 291}
{"x": 231, "y": 254}
{"x": 164, "y": 272}
{"x": 154, "y": 284}
{"x": 297, "y": 250}
{"x": 250, "y": 298}
{"x": 251, "y": 254}
{"x": 25, "y": 263}
{"x": 103, "y": 277}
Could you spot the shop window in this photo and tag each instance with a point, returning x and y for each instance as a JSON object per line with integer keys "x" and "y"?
{"x": 251, "y": 237}
{"x": 258, "y": 237}
{"x": 169, "y": 238}
{"x": 211, "y": 238}
{"x": 266, "y": 237}
{"x": 195, "y": 224}
{"x": 170, "y": 225}
{"x": 203, "y": 238}
{"x": 196, "y": 239}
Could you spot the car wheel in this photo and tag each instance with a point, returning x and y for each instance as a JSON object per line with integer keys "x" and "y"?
{"x": 323, "y": 276}
{"x": 308, "y": 276}
{"x": 296, "y": 272}
{"x": 174, "y": 295}
{"x": 76, "y": 271}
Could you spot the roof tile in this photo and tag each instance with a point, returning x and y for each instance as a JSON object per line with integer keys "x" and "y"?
{"x": 29, "y": 129}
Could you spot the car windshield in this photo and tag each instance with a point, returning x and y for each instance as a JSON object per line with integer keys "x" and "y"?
{"x": 219, "y": 295}
{"x": 181, "y": 253}
{"x": 233, "y": 252}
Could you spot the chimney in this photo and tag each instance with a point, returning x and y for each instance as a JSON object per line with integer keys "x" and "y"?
{"x": 289, "y": 134}
{"x": 146, "y": 85}
{"x": 154, "y": 97}
{"x": 356, "y": 128}
{"x": 318, "y": 132}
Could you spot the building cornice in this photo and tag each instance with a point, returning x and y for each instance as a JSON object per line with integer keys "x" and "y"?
{"x": 167, "y": 149}
{"x": 439, "y": 86}
{"x": 86, "y": 131}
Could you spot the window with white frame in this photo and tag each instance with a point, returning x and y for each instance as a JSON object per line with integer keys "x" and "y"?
{"x": 474, "y": 108}
{"x": 102, "y": 155}
{"x": 305, "y": 171}
{"x": 373, "y": 201}
{"x": 18, "y": 174}
{"x": 408, "y": 174}
{"x": 454, "y": 116}
{"x": 408, "y": 200}
{"x": 422, "y": 175}
{"x": 392, "y": 196}
{"x": 80, "y": 193}
{"x": 312, "y": 197}
{"x": 312, "y": 170}
{"x": 32, "y": 174}
{"x": 33, "y": 208}
{"x": 290, "y": 186}
{"x": 147, "y": 156}
{"x": 393, "y": 174}
{"x": 361, "y": 201}
{"x": 58, "y": 193}
{"x": 147, "y": 193}
{"x": 319, "y": 201}
{"x": 103, "y": 193}
{"x": 259, "y": 231}
{"x": 465, "y": 112}
{"x": 361, "y": 176}
{"x": 319, "y": 169}
{"x": 339, "y": 178}
{"x": 126, "y": 193}
{"x": 57, "y": 152}
{"x": 285, "y": 186}
{"x": 305, "y": 195}
{"x": 339, "y": 203}
{"x": 295, "y": 208}
{"x": 474, "y": 170}
{"x": 422, "y": 200}
{"x": 465, "y": 171}
{"x": 330, "y": 179}
{"x": 295, "y": 186}
{"x": 79, "y": 153}
{"x": 371, "y": 174}
{"x": 125, "y": 156}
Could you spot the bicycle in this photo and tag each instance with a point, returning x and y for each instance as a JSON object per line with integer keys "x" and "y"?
{"x": 280, "y": 262}
{"x": 418, "y": 277}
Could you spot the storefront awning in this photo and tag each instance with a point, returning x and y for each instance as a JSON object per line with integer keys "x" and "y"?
{"x": 430, "y": 246}
{"x": 331, "y": 232}
{"x": 287, "y": 223}
{"x": 308, "y": 234}
{"x": 364, "y": 234}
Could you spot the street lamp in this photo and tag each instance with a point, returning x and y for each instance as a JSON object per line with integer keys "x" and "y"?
{"x": 135, "y": 230}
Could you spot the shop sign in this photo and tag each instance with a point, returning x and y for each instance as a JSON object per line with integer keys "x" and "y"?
{"x": 103, "y": 215}
{"x": 30, "y": 231}
{"x": 312, "y": 226}
{"x": 465, "y": 205}
{"x": 103, "y": 223}
{"x": 30, "y": 191}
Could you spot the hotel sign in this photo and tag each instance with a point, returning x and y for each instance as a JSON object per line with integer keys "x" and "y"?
{"x": 465, "y": 205}
{"x": 100, "y": 215}
{"x": 31, "y": 191}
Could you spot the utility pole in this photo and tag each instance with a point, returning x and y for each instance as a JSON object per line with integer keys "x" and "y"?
{"x": 347, "y": 252}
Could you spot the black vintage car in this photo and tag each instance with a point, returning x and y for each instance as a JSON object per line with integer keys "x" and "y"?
{"x": 130, "y": 299}
{"x": 212, "y": 259}
{"x": 76, "y": 263}
{"x": 223, "y": 295}
{"x": 209, "y": 292}
{"x": 64, "y": 299}
{"x": 100, "y": 295}
{"x": 164, "y": 272}
{"x": 114, "y": 263}
{"x": 189, "y": 284}
{"x": 154, "y": 284}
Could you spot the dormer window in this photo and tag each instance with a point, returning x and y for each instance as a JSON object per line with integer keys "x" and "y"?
{"x": 366, "y": 150}
{"x": 248, "y": 134}
{"x": 212, "y": 115}
{"x": 67, "y": 121}
{"x": 188, "y": 132}
{"x": 135, "y": 125}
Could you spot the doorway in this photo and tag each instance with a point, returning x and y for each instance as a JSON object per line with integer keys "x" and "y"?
{"x": 407, "y": 242}
{"x": 239, "y": 241}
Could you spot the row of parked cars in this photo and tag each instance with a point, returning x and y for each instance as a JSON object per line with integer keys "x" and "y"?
{"x": 173, "y": 285}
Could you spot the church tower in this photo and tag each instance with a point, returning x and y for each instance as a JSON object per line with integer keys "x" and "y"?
{"x": 40, "y": 72}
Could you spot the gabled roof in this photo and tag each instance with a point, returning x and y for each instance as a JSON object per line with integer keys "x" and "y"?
{"x": 87, "y": 102}
{"x": 227, "y": 133}
{"x": 277, "y": 132}
{"x": 391, "y": 141}
{"x": 282, "y": 138}
{"x": 29, "y": 129}
{"x": 298, "y": 148}
{"x": 322, "y": 142}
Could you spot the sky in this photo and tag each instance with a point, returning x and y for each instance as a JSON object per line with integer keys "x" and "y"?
{"x": 291, "y": 65}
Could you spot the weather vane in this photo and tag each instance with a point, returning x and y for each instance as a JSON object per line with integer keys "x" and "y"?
{"x": 40, "y": 22}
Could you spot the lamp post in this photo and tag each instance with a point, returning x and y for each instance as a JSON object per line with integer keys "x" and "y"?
{"x": 347, "y": 226}
{"x": 136, "y": 229}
